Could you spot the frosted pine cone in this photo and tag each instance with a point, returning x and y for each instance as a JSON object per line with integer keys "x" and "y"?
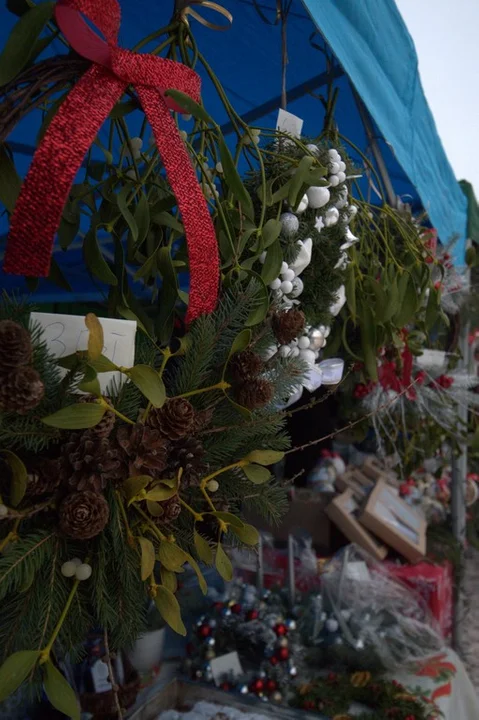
{"x": 15, "y": 346}
{"x": 21, "y": 390}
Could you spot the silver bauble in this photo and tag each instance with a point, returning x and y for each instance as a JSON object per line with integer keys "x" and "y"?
{"x": 318, "y": 196}
{"x": 290, "y": 224}
{"x": 298, "y": 287}
{"x": 316, "y": 340}
{"x": 308, "y": 356}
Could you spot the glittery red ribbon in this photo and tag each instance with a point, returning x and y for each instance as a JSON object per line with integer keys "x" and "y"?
{"x": 57, "y": 160}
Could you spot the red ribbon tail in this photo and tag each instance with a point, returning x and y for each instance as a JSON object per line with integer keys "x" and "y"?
{"x": 199, "y": 231}
{"x": 55, "y": 164}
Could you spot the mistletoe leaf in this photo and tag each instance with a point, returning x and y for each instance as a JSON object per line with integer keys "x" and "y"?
{"x": 76, "y": 417}
{"x": 257, "y": 474}
{"x": 272, "y": 263}
{"x": 15, "y": 669}
{"x": 265, "y": 457}
{"x": 134, "y": 485}
{"x": 169, "y": 609}
{"x": 233, "y": 179}
{"x": 247, "y": 534}
{"x": 147, "y": 557}
{"x": 271, "y": 232}
{"x": 18, "y": 485}
{"x": 299, "y": 179}
{"x": 95, "y": 337}
{"x": 228, "y": 518}
{"x": 169, "y": 580}
{"x": 241, "y": 342}
{"x": 94, "y": 259}
{"x": 21, "y": 42}
{"x": 59, "y": 692}
{"x": 203, "y": 549}
{"x": 223, "y": 564}
{"x": 171, "y": 556}
{"x": 189, "y": 106}
{"x": 149, "y": 383}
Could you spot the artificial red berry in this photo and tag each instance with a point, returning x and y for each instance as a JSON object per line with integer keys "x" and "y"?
{"x": 252, "y": 615}
{"x": 280, "y": 629}
{"x": 236, "y": 608}
{"x": 283, "y": 653}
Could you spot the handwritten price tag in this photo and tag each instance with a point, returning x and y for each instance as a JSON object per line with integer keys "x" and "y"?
{"x": 67, "y": 334}
{"x": 289, "y": 123}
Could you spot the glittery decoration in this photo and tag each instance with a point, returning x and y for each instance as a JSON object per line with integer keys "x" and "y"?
{"x": 57, "y": 160}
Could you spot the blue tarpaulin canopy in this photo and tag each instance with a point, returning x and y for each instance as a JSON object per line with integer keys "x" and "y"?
{"x": 370, "y": 58}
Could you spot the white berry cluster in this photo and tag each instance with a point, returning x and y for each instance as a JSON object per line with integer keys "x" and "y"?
{"x": 77, "y": 569}
{"x": 308, "y": 345}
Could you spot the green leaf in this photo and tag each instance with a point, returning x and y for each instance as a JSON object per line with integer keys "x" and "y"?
{"x": 102, "y": 364}
{"x": 199, "y": 575}
{"x": 471, "y": 256}
{"x": 95, "y": 336}
{"x": 272, "y": 264}
{"x": 282, "y": 192}
{"x": 233, "y": 179}
{"x": 147, "y": 557}
{"x": 380, "y": 306}
{"x": 432, "y": 308}
{"x": 241, "y": 342}
{"x": 167, "y": 220}
{"x": 228, "y": 518}
{"x": 169, "y": 609}
{"x": 90, "y": 383}
{"x": 76, "y": 417}
{"x": 203, "y": 549}
{"x": 159, "y": 493}
{"x": 19, "y": 477}
{"x": 299, "y": 179}
{"x": 223, "y": 564}
{"x": 257, "y": 474}
{"x": 134, "y": 485}
{"x": 242, "y": 410}
{"x": 94, "y": 259}
{"x": 149, "y": 382}
{"x": 154, "y": 508}
{"x": 392, "y": 303}
{"x": 367, "y": 326}
{"x": 247, "y": 534}
{"x": 10, "y": 182}
{"x": 189, "y": 106}
{"x": 20, "y": 44}
{"x": 121, "y": 199}
{"x": 172, "y": 556}
{"x": 265, "y": 457}
{"x": 149, "y": 267}
{"x": 59, "y": 692}
{"x": 271, "y": 232}
{"x": 15, "y": 669}
{"x": 123, "y": 108}
{"x": 169, "y": 580}
{"x": 408, "y": 304}
{"x": 259, "y": 312}
{"x": 166, "y": 268}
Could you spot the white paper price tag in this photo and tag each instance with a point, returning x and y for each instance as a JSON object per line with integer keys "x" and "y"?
{"x": 67, "y": 334}
{"x": 289, "y": 123}
{"x": 226, "y": 666}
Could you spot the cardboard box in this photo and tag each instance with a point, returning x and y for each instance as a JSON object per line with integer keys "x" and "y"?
{"x": 395, "y": 522}
{"x": 354, "y": 479}
{"x": 342, "y": 512}
{"x": 377, "y": 470}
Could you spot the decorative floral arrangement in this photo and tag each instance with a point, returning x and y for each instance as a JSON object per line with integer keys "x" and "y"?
{"x": 333, "y": 695}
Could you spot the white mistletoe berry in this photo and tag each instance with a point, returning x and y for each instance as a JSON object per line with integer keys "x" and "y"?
{"x": 83, "y": 571}
{"x": 69, "y": 568}
{"x": 213, "y": 486}
{"x": 303, "y": 342}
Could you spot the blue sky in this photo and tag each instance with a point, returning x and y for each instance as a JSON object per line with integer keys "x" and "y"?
{"x": 446, "y": 34}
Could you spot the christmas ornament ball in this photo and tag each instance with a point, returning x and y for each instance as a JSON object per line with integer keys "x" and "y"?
{"x": 303, "y": 342}
{"x": 210, "y": 654}
{"x": 342, "y": 165}
{"x": 318, "y": 197}
{"x": 83, "y": 571}
{"x": 332, "y": 625}
{"x": 286, "y": 287}
{"x": 288, "y": 274}
{"x": 316, "y": 340}
{"x": 252, "y": 614}
{"x": 244, "y": 689}
{"x": 257, "y": 686}
{"x": 293, "y": 671}
{"x": 280, "y": 629}
{"x": 334, "y": 168}
{"x": 308, "y": 356}
{"x": 271, "y": 685}
{"x": 341, "y": 176}
{"x": 284, "y": 642}
{"x": 204, "y": 631}
{"x": 283, "y": 653}
{"x": 69, "y": 568}
{"x": 334, "y": 156}
{"x": 226, "y": 686}
{"x": 274, "y": 660}
{"x": 303, "y": 205}
{"x": 291, "y": 624}
{"x": 334, "y": 180}
{"x": 290, "y": 224}
{"x": 275, "y": 285}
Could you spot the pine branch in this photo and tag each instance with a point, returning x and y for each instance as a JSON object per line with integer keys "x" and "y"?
{"x": 24, "y": 559}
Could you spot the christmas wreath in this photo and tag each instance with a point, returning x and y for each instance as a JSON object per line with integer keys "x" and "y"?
{"x": 333, "y": 695}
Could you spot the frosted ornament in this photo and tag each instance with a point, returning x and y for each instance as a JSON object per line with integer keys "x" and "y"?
{"x": 298, "y": 287}
{"x": 327, "y": 332}
{"x": 322, "y": 329}
{"x": 308, "y": 356}
{"x": 303, "y": 342}
{"x": 331, "y": 217}
{"x": 342, "y": 166}
{"x": 284, "y": 267}
{"x": 289, "y": 274}
{"x": 303, "y": 205}
{"x": 284, "y": 351}
{"x": 289, "y": 223}
{"x": 333, "y": 155}
{"x": 334, "y": 168}
{"x": 304, "y": 257}
{"x": 313, "y": 149}
{"x": 318, "y": 197}
{"x": 336, "y": 307}
{"x": 353, "y": 210}
{"x": 334, "y": 181}
{"x": 275, "y": 285}
{"x": 294, "y": 352}
{"x": 316, "y": 340}
{"x": 332, "y": 625}
{"x": 286, "y": 287}
{"x": 341, "y": 176}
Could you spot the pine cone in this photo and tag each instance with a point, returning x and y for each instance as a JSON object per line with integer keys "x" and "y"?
{"x": 83, "y": 514}
{"x": 171, "y": 510}
{"x": 202, "y": 420}
{"x": 107, "y": 423}
{"x": 254, "y": 394}
{"x": 89, "y": 462}
{"x": 244, "y": 365}
{"x": 15, "y": 344}
{"x": 288, "y": 325}
{"x": 174, "y": 420}
{"x": 21, "y": 390}
{"x": 43, "y": 478}
{"x": 146, "y": 449}
{"x": 187, "y": 454}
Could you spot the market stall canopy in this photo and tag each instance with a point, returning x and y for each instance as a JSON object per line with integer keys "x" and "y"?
{"x": 361, "y": 48}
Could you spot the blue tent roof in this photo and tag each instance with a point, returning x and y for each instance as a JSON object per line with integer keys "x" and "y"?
{"x": 370, "y": 44}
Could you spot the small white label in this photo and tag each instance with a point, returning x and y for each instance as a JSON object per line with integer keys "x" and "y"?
{"x": 226, "y": 666}
{"x": 289, "y": 123}
{"x": 99, "y": 676}
{"x": 67, "y": 334}
{"x": 432, "y": 359}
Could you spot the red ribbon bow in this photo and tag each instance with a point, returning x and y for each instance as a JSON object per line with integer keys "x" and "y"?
{"x": 74, "y": 128}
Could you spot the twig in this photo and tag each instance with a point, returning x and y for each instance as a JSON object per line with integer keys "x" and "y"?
{"x": 350, "y": 425}
{"x": 114, "y": 686}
